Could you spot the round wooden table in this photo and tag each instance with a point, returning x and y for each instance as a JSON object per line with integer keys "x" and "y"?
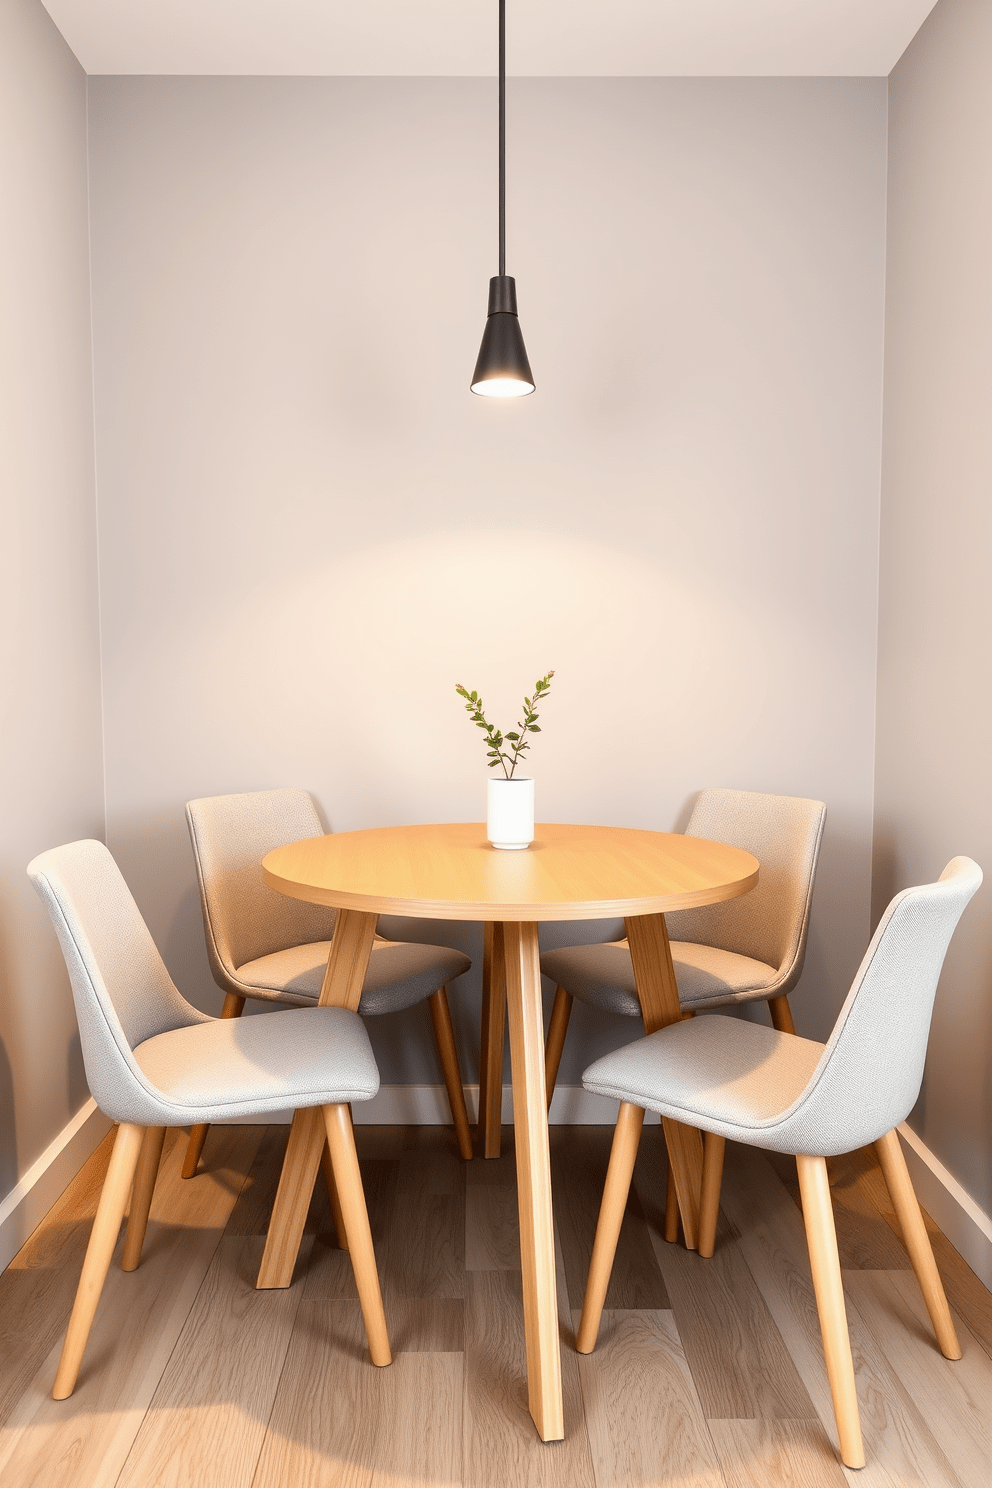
{"x": 451, "y": 872}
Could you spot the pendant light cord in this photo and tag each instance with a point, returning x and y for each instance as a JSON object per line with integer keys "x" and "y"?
{"x": 502, "y": 137}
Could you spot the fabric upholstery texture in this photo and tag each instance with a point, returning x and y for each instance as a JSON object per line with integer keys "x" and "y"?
{"x": 400, "y": 974}
{"x": 241, "y": 1066}
{"x": 265, "y": 945}
{"x": 244, "y": 918}
{"x": 604, "y": 975}
{"x": 742, "y": 1075}
{"x": 789, "y": 1094}
{"x": 744, "y": 949}
{"x": 134, "y": 1024}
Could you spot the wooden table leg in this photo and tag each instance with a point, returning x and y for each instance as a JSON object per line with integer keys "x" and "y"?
{"x": 658, "y": 991}
{"x": 347, "y": 964}
{"x": 530, "y": 1118}
{"x": 491, "y": 1055}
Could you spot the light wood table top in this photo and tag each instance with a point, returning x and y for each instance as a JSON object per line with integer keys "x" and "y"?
{"x": 449, "y": 871}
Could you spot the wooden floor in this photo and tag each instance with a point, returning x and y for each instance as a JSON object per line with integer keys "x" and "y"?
{"x": 708, "y": 1373}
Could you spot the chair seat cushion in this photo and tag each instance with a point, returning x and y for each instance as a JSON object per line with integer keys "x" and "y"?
{"x": 722, "y": 1074}
{"x": 707, "y": 977}
{"x": 400, "y": 974}
{"x": 251, "y": 1066}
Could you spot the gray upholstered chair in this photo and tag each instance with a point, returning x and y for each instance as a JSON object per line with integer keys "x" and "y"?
{"x": 743, "y": 950}
{"x": 154, "y": 1061}
{"x": 262, "y": 944}
{"x": 787, "y": 1094}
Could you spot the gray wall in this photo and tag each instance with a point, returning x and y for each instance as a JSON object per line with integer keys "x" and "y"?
{"x": 51, "y": 761}
{"x": 310, "y": 530}
{"x": 934, "y": 782}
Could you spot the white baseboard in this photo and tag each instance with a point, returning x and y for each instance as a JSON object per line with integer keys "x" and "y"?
{"x": 33, "y": 1195}
{"x": 427, "y": 1105}
{"x": 968, "y": 1227}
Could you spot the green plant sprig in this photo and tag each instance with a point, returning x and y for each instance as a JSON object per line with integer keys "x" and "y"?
{"x": 517, "y": 739}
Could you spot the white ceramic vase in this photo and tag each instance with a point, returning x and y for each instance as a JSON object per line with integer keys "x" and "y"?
{"x": 510, "y": 819}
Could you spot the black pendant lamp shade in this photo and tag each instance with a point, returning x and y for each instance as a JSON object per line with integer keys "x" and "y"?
{"x": 502, "y": 370}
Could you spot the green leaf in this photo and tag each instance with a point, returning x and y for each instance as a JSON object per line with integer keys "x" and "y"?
{"x": 534, "y": 729}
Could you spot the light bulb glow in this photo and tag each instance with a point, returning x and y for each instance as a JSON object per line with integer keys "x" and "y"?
{"x": 502, "y": 387}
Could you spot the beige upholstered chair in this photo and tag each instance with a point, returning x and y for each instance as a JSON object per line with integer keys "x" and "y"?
{"x": 264, "y": 945}
{"x": 154, "y": 1061}
{"x": 745, "y": 949}
{"x": 787, "y": 1094}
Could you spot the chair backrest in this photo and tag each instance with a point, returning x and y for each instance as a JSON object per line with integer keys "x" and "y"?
{"x": 242, "y": 917}
{"x": 771, "y": 921}
{"x": 122, "y": 990}
{"x": 870, "y": 1074}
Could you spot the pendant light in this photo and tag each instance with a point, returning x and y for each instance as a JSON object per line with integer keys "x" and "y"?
{"x": 502, "y": 370}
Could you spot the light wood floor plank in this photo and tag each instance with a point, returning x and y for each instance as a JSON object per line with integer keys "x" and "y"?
{"x": 754, "y": 1454}
{"x": 496, "y": 1170}
{"x": 966, "y": 1294}
{"x": 865, "y": 1238}
{"x": 892, "y": 1307}
{"x": 431, "y": 1152}
{"x": 149, "y": 1414}
{"x": 739, "y": 1361}
{"x": 140, "y": 1317}
{"x": 502, "y": 1448}
{"x": 250, "y": 1215}
{"x": 428, "y": 1257}
{"x": 339, "y": 1421}
{"x": 492, "y": 1228}
{"x": 328, "y": 1275}
{"x": 419, "y": 1443}
{"x": 384, "y": 1143}
{"x": 650, "y": 1181}
{"x": 213, "y": 1403}
{"x": 426, "y": 1325}
{"x": 417, "y": 1324}
{"x": 37, "y": 1288}
{"x": 642, "y": 1411}
{"x": 579, "y": 1159}
{"x": 323, "y": 1429}
{"x": 900, "y": 1445}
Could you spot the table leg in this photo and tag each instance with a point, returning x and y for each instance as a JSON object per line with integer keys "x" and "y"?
{"x": 530, "y": 1118}
{"x": 658, "y": 991}
{"x": 493, "y": 1034}
{"x": 347, "y": 964}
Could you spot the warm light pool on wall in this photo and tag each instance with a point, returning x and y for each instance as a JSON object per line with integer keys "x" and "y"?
{"x": 502, "y": 370}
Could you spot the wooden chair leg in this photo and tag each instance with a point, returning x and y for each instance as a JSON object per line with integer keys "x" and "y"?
{"x": 99, "y": 1252}
{"x": 445, "y": 1037}
{"x": 141, "y": 1196}
{"x": 709, "y": 1202}
{"x": 618, "y": 1176}
{"x": 233, "y": 1008}
{"x": 555, "y": 1042}
{"x": 493, "y": 1039}
{"x": 673, "y": 1215}
{"x": 917, "y": 1241}
{"x": 781, "y": 1014}
{"x": 348, "y": 1180}
{"x": 671, "y": 1207}
{"x": 327, "y": 1167}
{"x": 821, "y": 1237}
